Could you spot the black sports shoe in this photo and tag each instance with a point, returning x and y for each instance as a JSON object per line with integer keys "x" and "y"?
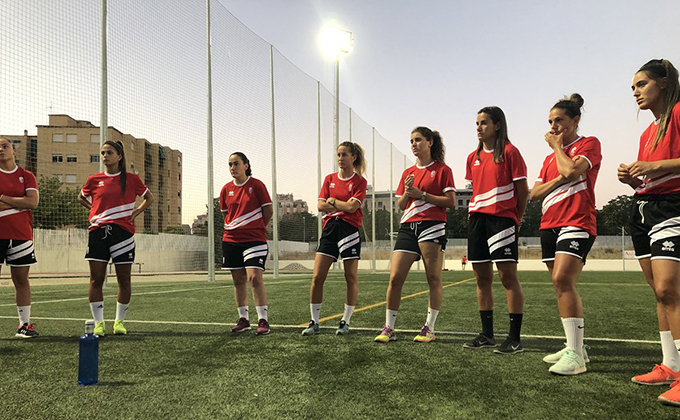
{"x": 509, "y": 346}
{"x": 26, "y": 331}
{"x": 480, "y": 342}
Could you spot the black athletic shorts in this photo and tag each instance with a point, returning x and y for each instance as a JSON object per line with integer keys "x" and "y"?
{"x": 492, "y": 239}
{"x": 237, "y": 256}
{"x": 111, "y": 242}
{"x": 410, "y": 234}
{"x": 17, "y": 253}
{"x": 339, "y": 238}
{"x": 569, "y": 240}
{"x": 655, "y": 226}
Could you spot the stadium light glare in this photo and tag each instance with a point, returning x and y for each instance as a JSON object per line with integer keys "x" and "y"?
{"x": 335, "y": 41}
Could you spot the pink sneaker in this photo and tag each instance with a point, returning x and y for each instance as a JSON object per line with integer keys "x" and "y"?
{"x": 241, "y": 326}
{"x": 262, "y": 327}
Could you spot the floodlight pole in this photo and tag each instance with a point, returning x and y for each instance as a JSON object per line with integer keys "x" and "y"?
{"x": 209, "y": 160}
{"x": 103, "y": 108}
{"x": 336, "y": 111}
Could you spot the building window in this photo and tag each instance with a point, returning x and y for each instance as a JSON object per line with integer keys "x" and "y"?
{"x": 94, "y": 158}
{"x": 460, "y": 202}
{"x": 180, "y": 177}
{"x": 57, "y": 158}
{"x": 71, "y": 138}
{"x": 71, "y": 159}
{"x": 94, "y": 138}
{"x": 132, "y": 145}
{"x": 179, "y": 210}
{"x": 16, "y": 144}
{"x": 179, "y": 193}
{"x": 70, "y": 179}
{"x": 467, "y": 202}
{"x": 179, "y": 161}
{"x": 57, "y": 137}
{"x": 60, "y": 178}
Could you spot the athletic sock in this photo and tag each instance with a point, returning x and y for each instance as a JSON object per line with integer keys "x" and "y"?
{"x": 243, "y": 312}
{"x": 573, "y": 329}
{"x": 487, "y": 323}
{"x": 431, "y": 317}
{"x": 349, "y": 310}
{"x": 97, "y": 309}
{"x": 121, "y": 310}
{"x": 515, "y": 326}
{"x": 315, "y": 309}
{"x": 24, "y": 314}
{"x": 671, "y": 358}
{"x": 390, "y": 318}
{"x": 677, "y": 344}
{"x": 261, "y": 312}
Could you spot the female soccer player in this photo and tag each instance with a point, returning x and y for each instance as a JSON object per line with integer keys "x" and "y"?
{"x": 340, "y": 201}
{"x": 499, "y": 197}
{"x": 247, "y": 210}
{"x": 111, "y": 196}
{"x": 655, "y": 214}
{"x": 566, "y": 184}
{"x": 18, "y": 196}
{"x": 425, "y": 191}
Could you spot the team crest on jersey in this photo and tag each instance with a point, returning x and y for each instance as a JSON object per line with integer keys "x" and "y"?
{"x": 573, "y": 150}
{"x": 21, "y": 179}
{"x": 477, "y": 163}
{"x": 231, "y": 193}
{"x": 250, "y": 190}
{"x": 101, "y": 184}
{"x": 332, "y": 185}
{"x": 432, "y": 173}
{"x": 350, "y": 186}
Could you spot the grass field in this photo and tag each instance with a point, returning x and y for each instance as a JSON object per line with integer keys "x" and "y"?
{"x": 180, "y": 359}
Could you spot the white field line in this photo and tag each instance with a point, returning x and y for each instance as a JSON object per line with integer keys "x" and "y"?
{"x": 297, "y": 327}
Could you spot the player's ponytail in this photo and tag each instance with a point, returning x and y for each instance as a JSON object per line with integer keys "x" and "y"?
{"x": 122, "y": 166}
{"x": 663, "y": 71}
{"x": 357, "y": 151}
{"x": 498, "y": 117}
{"x": 437, "y": 150}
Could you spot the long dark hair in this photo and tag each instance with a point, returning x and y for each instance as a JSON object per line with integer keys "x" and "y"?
{"x": 498, "y": 117}
{"x": 356, "y": 150}
{"x": 122, "y": 166}
{"x": 663, "y": 69}
{"x": 437, "y": 150}
{"x": 245, "y": 160}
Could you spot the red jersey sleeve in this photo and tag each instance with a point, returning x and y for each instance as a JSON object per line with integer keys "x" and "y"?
{"x": 542, "y": 174}
{"x": 223, "y": 199}
{"x": 87, "y": 188}
{"x": 447, "y": 182}
{"x": 30, "y": 181}
{"x": 518, "y": 167}
{"x": 325, "y": 193}
{"x": 262, "y": 194}
{"x": 359, "y": 192}
{"x": 400, "y": 188}
{"x": 468, "y": 167}
{"x": 140, "y": 188}
{"x": 591, "y": 151}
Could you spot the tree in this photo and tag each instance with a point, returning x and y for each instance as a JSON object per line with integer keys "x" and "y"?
{"x": 58, "y": 207}
{"x": 301, "y": 227}
{"x": 532, "y": 220}
{"x": 457, "y": 223}
{"x": 614, "y": 215}
{"x": 174, "y": 229}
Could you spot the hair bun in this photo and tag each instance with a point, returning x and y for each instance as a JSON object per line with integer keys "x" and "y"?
{"x": 577, "y": 99}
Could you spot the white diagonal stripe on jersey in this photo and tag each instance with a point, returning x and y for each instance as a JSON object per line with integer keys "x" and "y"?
{"x": 114, "y": 216}
{"x": 501, "y": 235}
{"x": 432, "y": 235}
{"x": 233, "y": 225}
{"x": 130, "y": 240}
{"x": 666, "y": 223}
{"x": 493, "y": 192}
{"x": 9, "y": 212}
{"x": 112, "y": 210}
{"x": 254, "y": 249}
{"x": 416, "y": 207}
{"x": 348, "y": 244}
{"x": 493, "y": 200}
{"x": 254, "y": 255}
{"x": 123, "y": 250}
{"x": 431, "y": 229}
{"x": 335, "y": 213}
{"x": 347, "y": 238}
{"x": 15, "y": 255}
{"x": 502, "y": 243}
{"x": 564, "y": 191}
{"x": 655, "y": 182}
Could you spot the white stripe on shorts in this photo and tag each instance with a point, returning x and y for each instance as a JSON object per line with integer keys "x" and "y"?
{"x": 122, "y": 251}
{"x": 119, "y": 245}
{"x": 22, "y": 250}
{"x": 666, "y": 229}
{"x": 346, "y": 239}
{"x": 254, "y": 255}
{"x": 502, "y": 243}
{"x": 501, "y": 236}
{"x": 254, "y": 249}
{"x": 432, "y": 235}
{"x": 349, "y": 244}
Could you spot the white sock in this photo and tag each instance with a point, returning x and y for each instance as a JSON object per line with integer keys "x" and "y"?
{"x": 315, "y": 310}
{"x": 677, "y": 343}
{"x": 431, "y": 317}
{"x": 390, "y": 318}
{"x": 243, "y": 312}
{"x": 671, "y": 357}
{"x": 24, "y": 314}
{"x": 261, "y": 312}
{"x": 97, "y": 309}
{"x": 121, "y": 310}
{"x": 349, "y": 310}
{"x": 573, "y": 329}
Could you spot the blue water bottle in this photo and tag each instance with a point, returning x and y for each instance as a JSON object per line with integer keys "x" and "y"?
{"x": 88, "y": 364}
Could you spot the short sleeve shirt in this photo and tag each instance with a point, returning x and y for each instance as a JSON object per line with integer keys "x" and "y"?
{"x": 344, "y": 189}
{"x": 16, "y": 224}
{"x": 436, "y": 179}
{"x": 242, "y": 208}
{"x": 110, "y": 206}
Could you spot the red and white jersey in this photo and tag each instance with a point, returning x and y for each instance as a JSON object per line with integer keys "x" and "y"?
{"x": 493, "y": 184}
{"x": 572, "y": 204}
{"x": 109, "y": 205}
{"x": 668, "y": 148}
{"x": 344, "y": 189}
{"x": 242, "y": 207}
{"x": 436, "y": 179}
{"x": 16, "y": 224}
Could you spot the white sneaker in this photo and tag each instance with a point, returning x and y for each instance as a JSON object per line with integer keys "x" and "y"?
{"x": 555, "y": 357}
{"x": 570, "y": 364}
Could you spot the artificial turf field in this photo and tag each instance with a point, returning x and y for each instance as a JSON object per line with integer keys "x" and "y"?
{"x": 180, "y": 359}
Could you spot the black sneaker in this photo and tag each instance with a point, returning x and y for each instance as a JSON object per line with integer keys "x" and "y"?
{"x": 509, "y": 346}
{"x": 480, "y": 342}
{"x": 26, "y": 331}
